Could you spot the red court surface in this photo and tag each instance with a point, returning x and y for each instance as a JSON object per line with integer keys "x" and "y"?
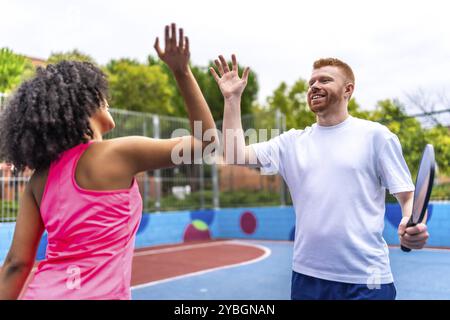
{"x": 159, "y": 263}
{"x": 164, "y": 262}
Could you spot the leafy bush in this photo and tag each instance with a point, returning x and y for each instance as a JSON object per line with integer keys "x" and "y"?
{"x": 228, "y": 199}
{"x": 8, "y": 210}
{"x": 440, "y": 192}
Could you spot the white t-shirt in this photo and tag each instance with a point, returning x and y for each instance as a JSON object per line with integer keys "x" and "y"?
{"x": 337, "y": 177}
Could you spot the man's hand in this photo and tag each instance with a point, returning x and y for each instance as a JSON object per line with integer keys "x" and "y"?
{"x": 176, "y": 53}
{"x": 412, "y": 237}
{"x": 229, "y": 82}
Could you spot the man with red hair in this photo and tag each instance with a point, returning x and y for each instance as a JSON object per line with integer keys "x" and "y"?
{"x": 337, "y": 171}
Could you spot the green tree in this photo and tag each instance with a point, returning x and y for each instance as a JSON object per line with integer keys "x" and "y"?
{"x": 412, "y": 136}
{"x": 139, "y": 87}
{"x": 439, "y": 137}
{"x": 355, "y": 110}
{"x": 14, "y": 68}
{"x": 74, "y": 54}
{"x": 176, "y": 100}
{"x": 292, "y": 102}
{"x": 210, "y": 90}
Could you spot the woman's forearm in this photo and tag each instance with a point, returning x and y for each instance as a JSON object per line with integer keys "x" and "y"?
{"x": 12, "y": 279}
{"x": 176, "y": 55}
{"x": 196, "y": 104}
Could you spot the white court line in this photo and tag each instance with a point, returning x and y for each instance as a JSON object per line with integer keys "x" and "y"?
{"x": 194, "y": 246}
{"x": 174, "y": 249}
{"x": 203, "y": 245}
{"x": 180, "y": 248}
{"x": 266, "y": 250}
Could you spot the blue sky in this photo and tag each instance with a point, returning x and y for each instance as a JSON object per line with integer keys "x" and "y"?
{"x": 395, "y": 47}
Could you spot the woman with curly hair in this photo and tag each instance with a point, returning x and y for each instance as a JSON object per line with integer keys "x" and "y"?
{"x": 83, "y": 190}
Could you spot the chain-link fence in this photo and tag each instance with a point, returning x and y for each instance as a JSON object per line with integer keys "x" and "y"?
{"x": 434, "y": 128}
{"x": 185, "y": 187}
{"x": 10, "y": 186}
{"x": 196, "y": 186}
{"x": 241, "y": 186}
{"x": 2, "y": 101}
{"x": 180, "y": 188}
{"x": 10, "y": 189}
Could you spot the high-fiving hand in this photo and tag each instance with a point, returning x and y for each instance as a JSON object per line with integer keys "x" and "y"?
{"x": 229, "y": 82}
{"x": 176, "y": 53}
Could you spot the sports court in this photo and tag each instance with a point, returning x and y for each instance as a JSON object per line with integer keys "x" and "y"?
{"x": 337, "y": 149}
{"x": 266, "y": 275}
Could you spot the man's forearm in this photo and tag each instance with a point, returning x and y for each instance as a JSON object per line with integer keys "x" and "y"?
{"x": 233, "y": 134}
{"x": 405, "y": 200}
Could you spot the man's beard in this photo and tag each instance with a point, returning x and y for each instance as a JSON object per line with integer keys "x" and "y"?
{"x": 331, "y": 99}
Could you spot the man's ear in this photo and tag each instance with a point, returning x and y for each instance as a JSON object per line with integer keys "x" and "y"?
{"x": 349, "y": 87}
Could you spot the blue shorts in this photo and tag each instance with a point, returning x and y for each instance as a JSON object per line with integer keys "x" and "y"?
{"x": 304, "y": 287}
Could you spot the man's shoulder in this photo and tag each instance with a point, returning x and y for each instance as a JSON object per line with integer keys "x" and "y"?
{"x": 373, "y": 127}
{"x": 285, "y": 139}
{"x": 291, "y": 133}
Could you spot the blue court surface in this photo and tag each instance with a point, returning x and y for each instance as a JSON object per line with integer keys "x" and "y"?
{"x": 423, "y": 274}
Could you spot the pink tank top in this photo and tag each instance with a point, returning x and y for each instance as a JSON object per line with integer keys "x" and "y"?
{"x": 90, "y": 237}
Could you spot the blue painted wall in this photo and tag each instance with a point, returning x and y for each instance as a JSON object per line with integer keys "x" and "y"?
{"x": 275, "y": 223}
{"x": 162, "y": 228}
{"x": 6, "y": 235}
{"x": 438, "y": 223}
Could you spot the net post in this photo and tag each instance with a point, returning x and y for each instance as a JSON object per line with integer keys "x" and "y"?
{"x": 157, "y": 173}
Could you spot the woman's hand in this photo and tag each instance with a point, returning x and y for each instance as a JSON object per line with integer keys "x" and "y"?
{"x": 176, "y": 53}
{"x": 229, "y": 82}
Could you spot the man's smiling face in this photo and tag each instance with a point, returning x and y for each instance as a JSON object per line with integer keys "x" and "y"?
{"x": 327, "y": 88}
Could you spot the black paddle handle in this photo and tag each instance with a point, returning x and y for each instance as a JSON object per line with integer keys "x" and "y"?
{"x": 405, "y": 249}
{"x": 409, "y": 224}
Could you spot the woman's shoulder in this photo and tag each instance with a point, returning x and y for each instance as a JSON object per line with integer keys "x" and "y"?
{"x": 101, "y": 167}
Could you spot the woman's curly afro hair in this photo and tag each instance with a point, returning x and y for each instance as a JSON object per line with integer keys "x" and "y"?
{"x": 49, "y": 113}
